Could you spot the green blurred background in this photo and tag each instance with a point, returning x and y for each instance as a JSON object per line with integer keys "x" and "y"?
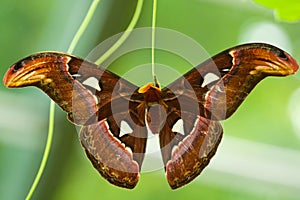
{"x": 259, "y": 156}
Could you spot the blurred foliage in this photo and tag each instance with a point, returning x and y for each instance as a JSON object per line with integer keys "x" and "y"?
{"x": 288, "y": 10}
{"x": 31, "y": 26}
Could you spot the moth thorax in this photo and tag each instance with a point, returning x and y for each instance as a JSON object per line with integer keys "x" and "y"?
{"x": 156, "y": 118}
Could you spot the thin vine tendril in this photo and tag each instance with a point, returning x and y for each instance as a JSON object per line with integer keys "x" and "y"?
{"x": 71, "y": 48}
{"x": 75, "y": 40}
{"x": 153, "y": 39}
{"x": 125, "y": 35}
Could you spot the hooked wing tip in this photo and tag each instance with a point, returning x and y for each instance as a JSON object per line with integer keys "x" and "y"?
{"x": 6, "y": 78}
{"x": 293, "y": 64}
{"x": 10, "y": 76}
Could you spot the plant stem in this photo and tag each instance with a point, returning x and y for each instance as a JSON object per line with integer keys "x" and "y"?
{"x": 83, "y": 26}
{"x": 70, "y": 50}
{"x": 73, "y": 44}
{"x": 125, "y": 35}
{"x": 153, "y": 38}
{"x": 46, "y": 152}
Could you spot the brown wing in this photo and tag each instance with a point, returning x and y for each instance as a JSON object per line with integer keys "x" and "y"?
{"x": 188, "y": 141}
{"x": 96, "y": 99}
{"x": 221, "y": 83}
{"x": 212, "y": 91}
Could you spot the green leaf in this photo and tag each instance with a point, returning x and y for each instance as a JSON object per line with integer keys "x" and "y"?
{"x": 288, "y": 10}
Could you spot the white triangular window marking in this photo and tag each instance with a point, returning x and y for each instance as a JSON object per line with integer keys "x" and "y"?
{"x": 178, "y": 127}
{"x": 76, "y": 75}
{"x": 92, "y": 82}
{"x": 225, "y": 70}
{"x": 125, "y": 128}
{"x": 209, "y": 78}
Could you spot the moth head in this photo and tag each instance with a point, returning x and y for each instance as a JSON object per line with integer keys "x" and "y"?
{"x": 148, "y": 87}
{"x": 151, "y": 92}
